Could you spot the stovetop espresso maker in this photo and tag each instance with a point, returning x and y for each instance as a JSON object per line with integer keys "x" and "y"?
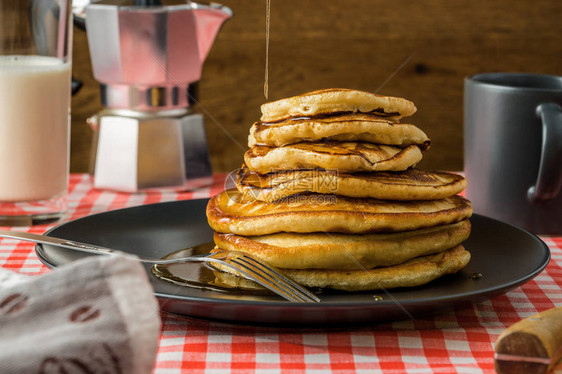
{"x": 147, "y": 56}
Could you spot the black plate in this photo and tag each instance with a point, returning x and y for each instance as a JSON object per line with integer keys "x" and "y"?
{"x": 505, "y": 255}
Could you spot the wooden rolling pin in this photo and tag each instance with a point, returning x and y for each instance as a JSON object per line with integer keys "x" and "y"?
{"x": 532, "y": 345}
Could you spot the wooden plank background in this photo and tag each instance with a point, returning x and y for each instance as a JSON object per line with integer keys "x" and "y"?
{"x": 420, "y": 50}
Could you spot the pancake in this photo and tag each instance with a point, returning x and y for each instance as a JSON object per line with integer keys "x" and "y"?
{"x": 336, "y": 101}
{"x": 350, "y": 127}
{"x": 232, "y": 212}
{"x": 344, "y": 251}
{"x": 411, "y": 184}
{"x": 415, "y": 272}
{"x": 341, "y": 156}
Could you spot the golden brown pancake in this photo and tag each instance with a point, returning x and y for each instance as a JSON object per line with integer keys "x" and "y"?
{"x": 411, "y": 184}
{"x": 336, "y": 101}
{"x": 342, "y": 156}
{"x": 232, "y": 212}
{"x": 344, "y": 251}
{"x": 350, "y": 127}
{"x": 415, "y": 272}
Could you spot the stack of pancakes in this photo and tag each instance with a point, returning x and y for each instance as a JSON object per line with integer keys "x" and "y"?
{"x": 330, "y": 196}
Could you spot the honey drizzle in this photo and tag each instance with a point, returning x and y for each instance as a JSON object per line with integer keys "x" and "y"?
{"x": 267, "y": 22}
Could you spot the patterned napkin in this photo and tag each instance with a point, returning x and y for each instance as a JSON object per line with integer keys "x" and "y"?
{"x": 95, "y": 315}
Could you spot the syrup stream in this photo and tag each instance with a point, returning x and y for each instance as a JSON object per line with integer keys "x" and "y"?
{"x": 267, "y": 22}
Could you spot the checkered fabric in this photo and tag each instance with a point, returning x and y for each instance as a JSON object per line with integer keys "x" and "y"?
{"x": 455, "y": 342}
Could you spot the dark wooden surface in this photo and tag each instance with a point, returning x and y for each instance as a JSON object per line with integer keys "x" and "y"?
{"x": 420, "y": 50}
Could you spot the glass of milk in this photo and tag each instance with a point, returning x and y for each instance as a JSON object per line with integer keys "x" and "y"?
{"x": 35, "y": 65}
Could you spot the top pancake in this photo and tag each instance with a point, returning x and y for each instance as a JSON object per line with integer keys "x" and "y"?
{"x": 350, "y": 127}
{"x": 232, "y": 212}
{"x": 334, "y": 101}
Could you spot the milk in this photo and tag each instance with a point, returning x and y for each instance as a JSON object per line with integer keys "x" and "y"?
{"x": 34, "y": 127}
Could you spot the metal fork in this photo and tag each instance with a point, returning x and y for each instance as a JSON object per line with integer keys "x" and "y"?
{"x": 240, "y": 262}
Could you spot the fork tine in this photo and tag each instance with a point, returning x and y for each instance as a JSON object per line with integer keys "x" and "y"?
{"x": 259, "y": 278}
{"x": 270, "y": 282}
{"x": 251, "y": 272}
{"x": 276, "y": 277}
{"x": 271, "y": 273}
{"x": 299, "y": 293}
{"x": 282, "y": 277}
{"x": 247, "y": 270}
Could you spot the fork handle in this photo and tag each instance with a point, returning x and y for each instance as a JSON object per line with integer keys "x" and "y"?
{"x": 91, "y": 248}
{"x": 57, "y": 242}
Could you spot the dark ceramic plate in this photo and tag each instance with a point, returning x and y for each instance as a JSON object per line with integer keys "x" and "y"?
{"x": 505, "y": 255}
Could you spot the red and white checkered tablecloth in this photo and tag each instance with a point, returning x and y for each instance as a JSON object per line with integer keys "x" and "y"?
{"x": 455, "y": 342}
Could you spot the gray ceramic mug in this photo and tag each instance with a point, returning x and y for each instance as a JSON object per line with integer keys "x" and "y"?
{"x": 513, "y": 148}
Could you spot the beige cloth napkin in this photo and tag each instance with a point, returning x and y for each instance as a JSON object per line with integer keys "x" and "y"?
{"x": 96, "y": 315}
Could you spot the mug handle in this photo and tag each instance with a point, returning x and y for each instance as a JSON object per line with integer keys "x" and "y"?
{"x": 549, "y": 179}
